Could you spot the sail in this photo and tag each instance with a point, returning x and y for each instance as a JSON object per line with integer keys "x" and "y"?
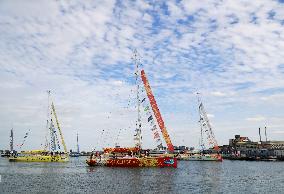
{"x": 157, "y": 112}
{"x": 206, "y": 128}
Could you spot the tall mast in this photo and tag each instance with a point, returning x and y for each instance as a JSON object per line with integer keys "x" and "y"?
{"x": 47, "y": 120}
{"x": 77, "y": 144}
{"x": 157, "y": 112}
{"x": 12, "y": 140}
{"x": 52, "y": 136}
{"x": 138, "y": 122}
{"x": 200, "y": 122}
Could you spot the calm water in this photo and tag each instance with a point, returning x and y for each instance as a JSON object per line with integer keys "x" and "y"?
{"x": 189, "y": 177}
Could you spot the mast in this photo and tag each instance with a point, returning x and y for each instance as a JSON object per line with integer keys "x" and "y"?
{"x": 200, "y": 122}
{"x": 157, "y": 112}
{"x": 206, "y": 126}
{"x": 12, "y": 140}
{"x": 138, "y": 122}
{"x": 58, "y": 126}
{"x": 77, "y": 144}
{"x": 47, "y": 120}
{"x": 52, "y": 136}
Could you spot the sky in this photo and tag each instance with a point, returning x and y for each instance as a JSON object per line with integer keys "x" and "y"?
{"x": 232, "y": 52}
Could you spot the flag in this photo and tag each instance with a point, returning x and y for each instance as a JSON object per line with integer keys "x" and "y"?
{"x": 160, "y": 145}
{"x": 156, "y": 135}
{"x": 154, "y": 128}
{"x": 26, "y": 135}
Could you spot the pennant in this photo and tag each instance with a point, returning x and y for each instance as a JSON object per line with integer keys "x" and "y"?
{"x": 200, "y": 105}
{"x": 156, "y": 135}
{"x": 160, "y": 146}
{"x": 146, "y": 108}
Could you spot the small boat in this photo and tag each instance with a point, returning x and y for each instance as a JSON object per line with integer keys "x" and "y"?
{"x": 6, "y": 154}
{"x": 53, "y": 154}
{"x": 74, "y": 154}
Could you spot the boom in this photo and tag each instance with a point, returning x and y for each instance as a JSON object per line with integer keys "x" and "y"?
{"x": 157, "y": 112}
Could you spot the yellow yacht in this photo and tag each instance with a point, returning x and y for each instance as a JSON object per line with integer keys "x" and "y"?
{"x": 40, "y": 156}
{"x": 53, "y": 154}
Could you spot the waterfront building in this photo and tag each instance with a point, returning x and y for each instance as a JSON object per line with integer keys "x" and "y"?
{"x": 244, "y": 148}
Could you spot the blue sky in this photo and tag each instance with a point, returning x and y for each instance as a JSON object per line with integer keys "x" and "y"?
{"x": 230, "y": 51}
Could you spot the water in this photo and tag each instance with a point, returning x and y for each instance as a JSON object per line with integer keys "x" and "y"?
{"x": 189, "y": 177}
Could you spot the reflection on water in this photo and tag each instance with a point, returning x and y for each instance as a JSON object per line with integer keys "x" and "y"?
{"x": 189, "y": 177}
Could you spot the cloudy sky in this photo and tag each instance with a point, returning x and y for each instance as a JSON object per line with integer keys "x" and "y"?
{"x": 232, "y": 52}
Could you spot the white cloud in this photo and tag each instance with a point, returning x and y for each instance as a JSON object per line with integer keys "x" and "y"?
{"x": 210, "y": 115}
{"x": 217, "y": 93}
{"x": 256, "y": 118}
{"x": 278, "y": 132}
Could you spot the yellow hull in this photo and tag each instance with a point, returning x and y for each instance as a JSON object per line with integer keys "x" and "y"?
{"x": 39, "y": 159}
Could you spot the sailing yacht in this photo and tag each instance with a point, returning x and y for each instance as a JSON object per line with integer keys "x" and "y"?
{"x": 54, "y": 153}
{"x": 136, "y": 156}
{"x": 205, "y": 129}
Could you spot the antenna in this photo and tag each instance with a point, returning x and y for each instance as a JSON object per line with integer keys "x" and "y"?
{"x": 77, "y": 144}
{"x": 265, "y": 134}
{"x": 12, "y": 140}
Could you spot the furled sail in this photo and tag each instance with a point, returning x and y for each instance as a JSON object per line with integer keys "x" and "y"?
{"x": 156, "y": 112}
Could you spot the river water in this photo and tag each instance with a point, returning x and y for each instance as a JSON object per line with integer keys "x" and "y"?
{"x": 189, "y": 177}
